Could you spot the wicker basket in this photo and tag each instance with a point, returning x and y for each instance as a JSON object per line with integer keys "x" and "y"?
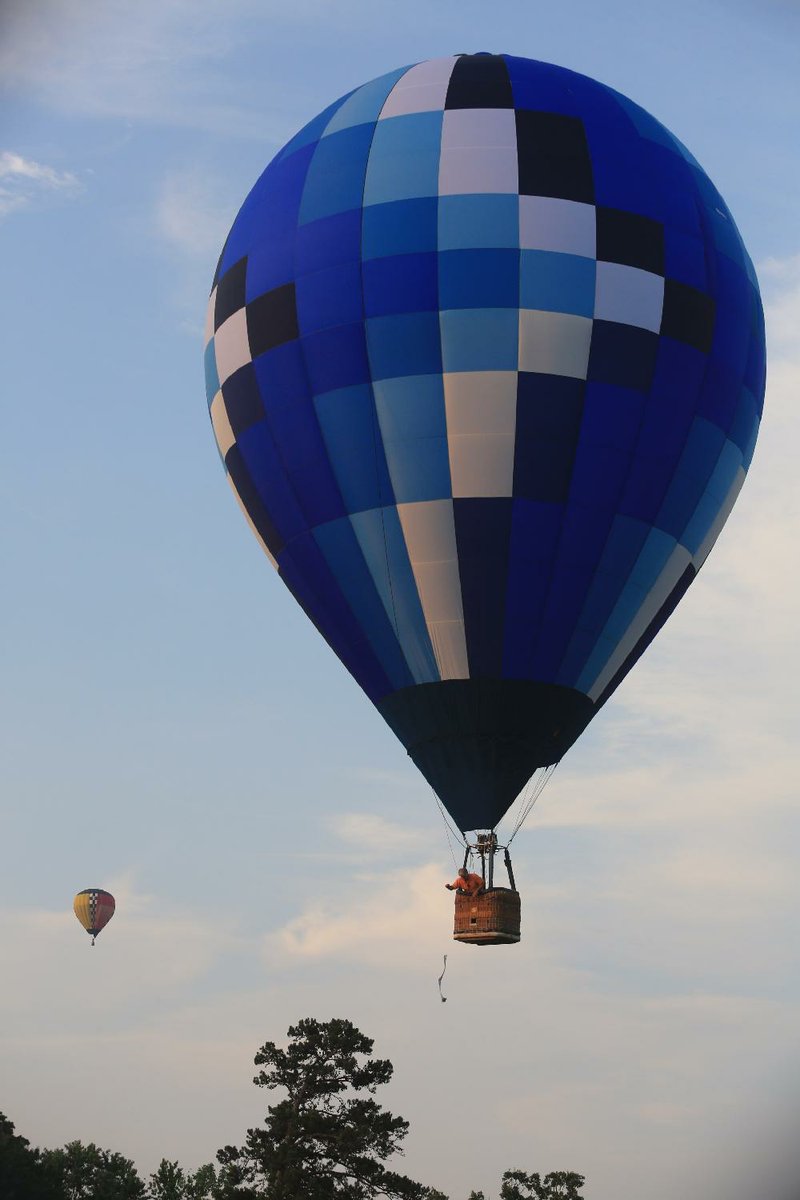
{"x": 490, "y": 919}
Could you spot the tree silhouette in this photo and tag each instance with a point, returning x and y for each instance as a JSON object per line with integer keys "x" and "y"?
{"x": 325, "y": 1140}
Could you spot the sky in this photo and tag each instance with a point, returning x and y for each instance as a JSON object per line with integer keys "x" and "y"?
{"x": 172, "y": 728}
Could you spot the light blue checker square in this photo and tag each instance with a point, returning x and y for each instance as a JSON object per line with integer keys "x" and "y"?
{"x": 212, "y": 375}
{"x": 365, "y": 104}
{"x": 411, "y": 407}
{"x": 348, "y": 424}
{"x": 414, "y": 431}
{"x": 408, "y": 134}
{"x": 403, "y": 177}
{"x": 335, "y": 179}
{"x": 699, "y": 457}
{"x": 552, "y": 282}
{"x": 704, "y": 517}
{"x": 652, "y": 560}
{"x": 342, "y": 553}
{"x": 419, "y": 469}
{"x": 380, "y": 536}
{"x": 313, "y": 131}
{"x": 480, "y": 339}
{"x": 404, "y": 344}
{"x": 712, "y": 500}
{"x": 702, "y": 450}
{"x": 477, "y": 222}
{"x": 748, "y": 449}
{"x": 404, "y": 227}
{"x": 411, "y": 415}
{"x": 404, "y": 158}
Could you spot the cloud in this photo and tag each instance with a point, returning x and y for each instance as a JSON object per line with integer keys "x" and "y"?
{"x": 146, "y": 954}
{"x": 391, "y": 919}
{"x": 192, "y": 216}
{"x": 374, "y": 834}
{"x": 781, "y": 281}
{"x": 24, "y": 182}
{"x": 708, "y": 716}
{"x": 168, "y": 62}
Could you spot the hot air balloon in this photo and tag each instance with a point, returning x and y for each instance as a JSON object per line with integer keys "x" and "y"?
{"x": 485, "y": 364}
{"x": 94, "y": 908}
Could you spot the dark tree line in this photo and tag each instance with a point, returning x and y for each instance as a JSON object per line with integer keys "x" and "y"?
{"x": 326, "y": 1139}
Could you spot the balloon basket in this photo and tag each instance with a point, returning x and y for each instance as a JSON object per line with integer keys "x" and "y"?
{"x": 489, "y": 919}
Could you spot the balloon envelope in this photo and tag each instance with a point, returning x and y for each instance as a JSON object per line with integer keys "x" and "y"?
{"x": 485, "y": 364}
{"x": 94, "y": 908}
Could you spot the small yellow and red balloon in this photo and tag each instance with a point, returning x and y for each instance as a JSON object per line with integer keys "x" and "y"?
{"x": 94, "y": 908}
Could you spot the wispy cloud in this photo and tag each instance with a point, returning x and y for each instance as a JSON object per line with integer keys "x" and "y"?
{"x": 781, "y": 280}
{"x": 192, "y": 214}
{"x": 160, "y": 61}
{"x": 193, "y": 217}
{"x": 393, "y": 919}
{"x": 375, "y": 834}
{"x": 24, "y": 182}
{"x": 147, "y": 954}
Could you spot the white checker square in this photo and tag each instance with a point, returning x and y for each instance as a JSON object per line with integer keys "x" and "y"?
{"x": 450, "y": 649}
{"x": 481, "y": 411}
{"x": 481, "y": 464}
{"x": 231, "y": 347}
{"x": 629, "y": 296}
{"x": 439, "y": 587}
{"x": 249, "y": 520}
{"x": 478, "y": 170}
{"x": 422, "y": 89}
{"x": 222, "y": 426}
{"x": 472, "y": 127}
{"x": 554, "y": 343}
{"x": 429, "y": 530}
{"x": 430, "y": 536}
{"x": 479, "y": 402}
{"x": 566, "y": 226}
{"x": 208, "y": 333}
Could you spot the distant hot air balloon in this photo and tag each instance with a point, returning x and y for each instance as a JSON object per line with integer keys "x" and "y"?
{"x": 94, "y": 908}
{"x": 485, "y": 363}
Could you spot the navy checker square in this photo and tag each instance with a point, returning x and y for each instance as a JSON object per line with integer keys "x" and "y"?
{"x": 485, "y": 365}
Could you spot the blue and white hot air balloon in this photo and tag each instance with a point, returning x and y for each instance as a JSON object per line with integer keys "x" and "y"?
{"x": 485, "y": 362}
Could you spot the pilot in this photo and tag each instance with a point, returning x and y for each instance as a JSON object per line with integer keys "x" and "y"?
{"x": 466, "y": 883}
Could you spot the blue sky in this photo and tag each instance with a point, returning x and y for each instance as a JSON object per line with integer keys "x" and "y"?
{"x": 174, "y": 729}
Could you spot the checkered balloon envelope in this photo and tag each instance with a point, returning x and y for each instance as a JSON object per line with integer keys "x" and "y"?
{"x": 485, "y": 363}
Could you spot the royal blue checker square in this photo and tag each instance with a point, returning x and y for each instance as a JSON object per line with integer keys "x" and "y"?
{"x": 487, "y": 278}
{"x": 401, "y": 283}
{"x": 400, "y": 227}
{"x": 330, "y": 297}
{"x": 404, "y": 344}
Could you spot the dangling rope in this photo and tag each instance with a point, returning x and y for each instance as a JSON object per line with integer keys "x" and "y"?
{"x": 441, "y": 977}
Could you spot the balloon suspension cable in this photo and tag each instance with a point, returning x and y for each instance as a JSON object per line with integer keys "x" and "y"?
{"x": 529, "y": 801}
{"x": 448, "y": 828}
{"x": 441, "y": 977}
